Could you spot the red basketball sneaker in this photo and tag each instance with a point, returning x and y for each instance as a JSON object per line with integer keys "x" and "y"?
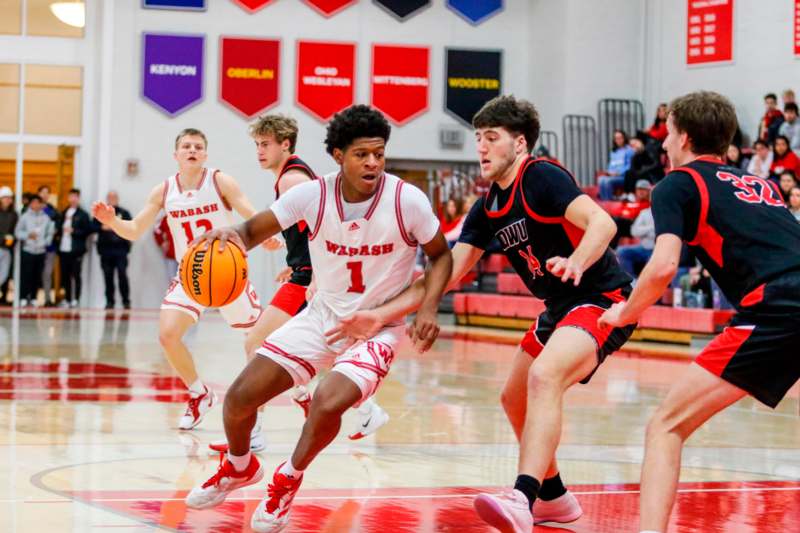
{"x": 507, "y": 512}
{"x": 272, "y": 514}
{"x": 214, "y": 491}
{"x": 196, "y": 409}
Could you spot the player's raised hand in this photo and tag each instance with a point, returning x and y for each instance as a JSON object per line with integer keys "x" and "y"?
{"x": 359, "y": 326}
{"x": 272, "y": 244}
{"x": 423, "y": 330}
{"x": 565, "y": 268}
{"x": 223, "y": 235}
{"x": 284, "y": 275}
{"x": 103, "y": 212}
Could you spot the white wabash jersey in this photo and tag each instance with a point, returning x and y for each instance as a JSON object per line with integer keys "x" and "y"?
{"x": 190, "y": 213}
{"x": 361, "y": 263}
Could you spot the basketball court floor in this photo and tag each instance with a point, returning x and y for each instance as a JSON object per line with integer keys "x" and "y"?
{"x": 88, "y": 411}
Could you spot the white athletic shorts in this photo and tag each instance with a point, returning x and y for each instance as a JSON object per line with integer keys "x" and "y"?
{"x": 243, "y": 312}
{"x": 299, "y": 347}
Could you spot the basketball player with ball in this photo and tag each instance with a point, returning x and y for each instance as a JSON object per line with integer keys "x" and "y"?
{"x": 196, "y": 199}
{"x": 364, "y": 228}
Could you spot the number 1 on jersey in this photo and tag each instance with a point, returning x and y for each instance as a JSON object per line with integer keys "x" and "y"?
{"x": 356, "y": 277}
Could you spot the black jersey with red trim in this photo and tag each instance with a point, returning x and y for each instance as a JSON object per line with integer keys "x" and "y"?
{"x": 528, "y": 219}
{"x": 737, "y": 224}
{"x": 296, "y": 237}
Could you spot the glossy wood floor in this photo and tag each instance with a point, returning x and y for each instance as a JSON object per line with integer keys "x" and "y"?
{"x": 88, "y": 411}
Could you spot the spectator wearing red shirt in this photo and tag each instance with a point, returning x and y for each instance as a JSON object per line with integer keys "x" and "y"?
{"x": 452, "y": 220}
{"x": 783, "y": 158}
{"x": 658, "y": 131}
{"x": 772, "y": 119}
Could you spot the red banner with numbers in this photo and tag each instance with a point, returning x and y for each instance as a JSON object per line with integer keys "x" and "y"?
{"x": 796, "y": 25}
{"x": 328, "y": 8}
{"x": 249, "y": 69}
{"x": 400, "y": 81}
{"x": 709, "y": 31}
{"x": 252, "y": 5}
{"x": 326, "y": 74}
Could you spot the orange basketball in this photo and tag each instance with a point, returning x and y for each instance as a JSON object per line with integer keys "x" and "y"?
{"x": 211, "y": 277}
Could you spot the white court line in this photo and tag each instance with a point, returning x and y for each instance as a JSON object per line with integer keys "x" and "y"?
{"x": 406, "y": 496}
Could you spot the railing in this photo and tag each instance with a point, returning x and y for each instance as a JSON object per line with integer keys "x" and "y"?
{"x": 549, "y": 139}
{"x": 617, "y": 114}
{"x": 580, "y": 147}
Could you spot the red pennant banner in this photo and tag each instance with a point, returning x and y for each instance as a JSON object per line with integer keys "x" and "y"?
{"x": 709, "y": 31}
{"x": 400, "y": 81}
{"x": 328, "y": 8}
{"x": 249, "y": 70}
{"x": 252, "y": 5}
{"x": 325, "y": 77}
{"x": 796, "y": 25}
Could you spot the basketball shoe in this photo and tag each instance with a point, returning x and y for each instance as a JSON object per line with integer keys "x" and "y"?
{"x": 302, "y": 399}
{"x": 563, "y": 509}
{"x": 272, "y": 513}
{"x": 257, "y": 442}
{"x": 371, "y": 417}
{"x": 214, "y": 491}
{"x": 196, "y": 409}
{"x": 507, "y": 512}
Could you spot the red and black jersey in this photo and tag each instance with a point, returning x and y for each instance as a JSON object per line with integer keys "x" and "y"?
{"x": 528, "y": 220}
{"x": 296, "y": 237}
{"x": 737, "y": 225}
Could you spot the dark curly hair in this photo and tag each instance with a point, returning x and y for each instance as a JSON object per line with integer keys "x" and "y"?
{"x": 353, "y": 123}
{"x": 517, "y": 116}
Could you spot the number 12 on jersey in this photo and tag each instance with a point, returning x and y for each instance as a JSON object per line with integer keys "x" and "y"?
{"x": 356, "y": 277}
{"x": 202, "y": 225}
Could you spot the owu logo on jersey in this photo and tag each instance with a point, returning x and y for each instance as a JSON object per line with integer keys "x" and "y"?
{"x": 533, "y": 263}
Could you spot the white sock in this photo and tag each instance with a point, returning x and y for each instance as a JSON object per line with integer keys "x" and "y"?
{"x": 289, "y": 470}
{"x": 239, "y": 462}
{"x": 197, "y": 388}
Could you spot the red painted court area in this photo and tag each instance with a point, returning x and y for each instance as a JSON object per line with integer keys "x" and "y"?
{"x": 757, "y": 507}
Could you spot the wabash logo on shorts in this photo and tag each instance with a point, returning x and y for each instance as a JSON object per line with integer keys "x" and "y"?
{"x": 533, "y": 264}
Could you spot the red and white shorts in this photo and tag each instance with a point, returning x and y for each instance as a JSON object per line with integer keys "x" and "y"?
{"x": 300, "y": 347}
{"x": 290, "y": 298}
{"x": 243, "y": 312}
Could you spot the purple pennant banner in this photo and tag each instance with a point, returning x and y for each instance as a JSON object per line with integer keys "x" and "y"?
{"x": 172, "y": 70}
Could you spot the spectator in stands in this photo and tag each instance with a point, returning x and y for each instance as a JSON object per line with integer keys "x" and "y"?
{"x": 163, "y": 237}
{"x": 761, "y": 161}
{"x": 791, "y": 127}
{"x": 74, "y": 226}
{"x": 113, "y": 251}
{"x": 783, "y": 158}
{"x": 772, "y": 119}
{"x": 544, "y": 153}
{"x": 35, "y": 230}
{"x": 734, "y": 157}
{"x": 50, "y": 256}
{"x": 645, "y": 164}
{"x": 658, "y": 130}
{"x": 788, "y": 97}
{"x": 794, "y": 202}
{"x": 619, "y": 161}
{"x": 633, "y": 257}
{"x": 697, "y": 288}
{"x": 630, "y": 210}
{"x": 786, "y": 182}
{"x": 8, "y": 222}
{"x": 452, "y": 220}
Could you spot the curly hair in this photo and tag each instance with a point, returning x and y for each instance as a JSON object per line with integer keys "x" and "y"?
{"x": 517, "y": 116}
{"x": 353, "y": 123}
{"x": 279, "y": 126}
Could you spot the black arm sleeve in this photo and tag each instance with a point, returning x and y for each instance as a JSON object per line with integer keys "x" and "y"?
{"x": 549, "y": 189}
{"x": 476, "y": 231}
{"x": 676, "y": 206}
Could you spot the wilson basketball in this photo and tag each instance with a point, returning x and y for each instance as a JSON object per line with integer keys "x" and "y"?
{"x": 211, "y": 277}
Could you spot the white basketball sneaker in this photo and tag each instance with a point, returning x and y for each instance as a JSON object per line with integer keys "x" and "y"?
{"x": 257, "y": 442}
{"x": 563, "y": 509}
{"x": 302, "y": 398}
{"x": 371, "y": 417}
{"x": 196, "y": 409}
{"x": 214, "y": 491}
{"x": 507, "y": 512}
{"x": 272, "y": 513}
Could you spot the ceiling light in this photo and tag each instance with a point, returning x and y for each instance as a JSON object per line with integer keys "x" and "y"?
{"x": 71, "y": 13}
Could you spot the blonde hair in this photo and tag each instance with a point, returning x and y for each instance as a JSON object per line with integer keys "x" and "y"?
{"x": 190, "y": 131}
{"x": 279, "y": 126}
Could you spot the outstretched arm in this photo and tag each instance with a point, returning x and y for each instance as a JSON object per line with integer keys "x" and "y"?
{"x": 425, "y": 327}
{"x": 131, "y": 229}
